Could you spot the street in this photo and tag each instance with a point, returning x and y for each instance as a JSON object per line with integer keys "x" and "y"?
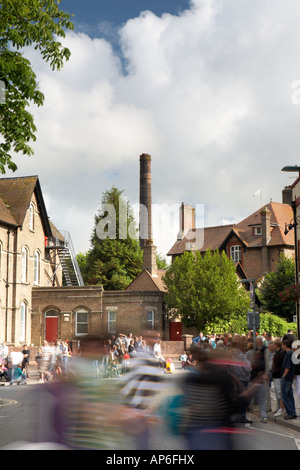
{"x": 25, "y": 415}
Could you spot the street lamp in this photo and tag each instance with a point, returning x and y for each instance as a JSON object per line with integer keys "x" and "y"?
{"x": 253, "y": 315}
{"x": 293, "y": 225}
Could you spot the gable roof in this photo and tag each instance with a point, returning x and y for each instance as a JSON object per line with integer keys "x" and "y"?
{"x": 146, "y": 282}
{"x": 214, "y": 238}
{"x": 15, "y": 197}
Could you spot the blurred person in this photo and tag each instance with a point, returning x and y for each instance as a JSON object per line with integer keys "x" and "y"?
{"x": 4, "y": 371}
{"x": 4, "y": 351}
{"x": 65, "y": 357}
{"x": 88, "y": 412}
{"x": 183, "y": 359}
{"x": 14, "y": 359}
{"x": 190, "y": 362}
{"x": 287, "y": 378}
{"x": 209, "y": 399}
{"x": 241, "y": 368}
{"x": 18, "y": 376}
{"x": 270, "y": 352}
{"x": 259, "y": 370}
{"x": 26, "y": 360}
{"x": 142, "y": 390}
{"x": 157, "y": 353}
{"x": 276, "y": 375}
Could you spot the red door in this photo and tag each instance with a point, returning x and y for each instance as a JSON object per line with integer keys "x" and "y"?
{"x": 175, "y": 331}
{"x": 51, "y": 332}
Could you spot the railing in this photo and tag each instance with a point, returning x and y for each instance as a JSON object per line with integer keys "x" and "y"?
{"x": 65, "y": 244}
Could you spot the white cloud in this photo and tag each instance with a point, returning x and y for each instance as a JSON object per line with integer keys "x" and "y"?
{"x": 207, "y": 93}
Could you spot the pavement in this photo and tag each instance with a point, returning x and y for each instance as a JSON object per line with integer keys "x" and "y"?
{"x": 293, "y": 424}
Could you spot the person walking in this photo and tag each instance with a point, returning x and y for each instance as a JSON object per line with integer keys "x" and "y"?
{"x": 287, "y": 378}
{"x": 276, "y": 375}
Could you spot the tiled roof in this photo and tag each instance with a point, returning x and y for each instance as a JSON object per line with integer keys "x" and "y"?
{"x": 15, "y": 197}
{"x": 16, "y": 194}
{"x": 214, "y": 237}
{"x": 280, "y": 215}
{"x": 146, "y": 282}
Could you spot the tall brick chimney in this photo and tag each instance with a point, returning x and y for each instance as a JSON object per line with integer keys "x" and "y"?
{"x": 145, "y": 199}
{"x": 146, "y": 242}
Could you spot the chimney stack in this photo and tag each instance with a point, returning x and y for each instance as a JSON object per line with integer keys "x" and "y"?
{"x": 266, "y": 236}
{"x": 146, "y": 242}
{"x": 145, "y": 199}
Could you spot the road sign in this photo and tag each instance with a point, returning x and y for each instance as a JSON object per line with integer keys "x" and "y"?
{"x": 250, "y": 321}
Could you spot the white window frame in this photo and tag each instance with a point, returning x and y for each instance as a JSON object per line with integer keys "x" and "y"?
{"x": 151, "y": 321}
{"x": 258, "y": 231}
{"x": 23, "y": 317}
{"x": 236, "y": 253}
{"x": 24, "y": 264}
{"x": 81, "y": 311}
{"x": 112, "y": 321}
{"x": 37, "y": 262}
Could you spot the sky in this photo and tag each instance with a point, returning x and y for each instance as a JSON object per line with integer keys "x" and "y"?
{"x": 210, "y": 89}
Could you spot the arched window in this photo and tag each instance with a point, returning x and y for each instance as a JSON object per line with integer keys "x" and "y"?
{"x": 31, "y": 216}
{"x": 37, "y": 258}
{"x": 24, "y": 264}
{"x": 23, "y": 317}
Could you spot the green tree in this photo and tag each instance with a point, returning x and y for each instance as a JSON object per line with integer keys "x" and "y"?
{"x": 274, "y": 283}
{"x": 23, "y": 23}
{"x": 204, "y": 289}
{"x": 115, "y": 257}
{"x": 161, "y": 261}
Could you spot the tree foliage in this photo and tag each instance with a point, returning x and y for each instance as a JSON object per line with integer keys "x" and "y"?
{"x": 204, "y": 289}
{"x": 112, "y": 262}
{"x": 23, "y": 23}
{"x": 273, "y": 284}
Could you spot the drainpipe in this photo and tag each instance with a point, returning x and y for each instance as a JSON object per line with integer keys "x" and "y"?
{"x": 7, "y": 286}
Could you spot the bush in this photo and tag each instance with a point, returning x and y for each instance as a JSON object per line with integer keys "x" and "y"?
{"x": 269, "y": 322}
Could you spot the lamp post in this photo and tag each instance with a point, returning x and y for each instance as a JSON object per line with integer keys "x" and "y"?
{"x": 293, "y": 225}
{"x": 253, "y": 313}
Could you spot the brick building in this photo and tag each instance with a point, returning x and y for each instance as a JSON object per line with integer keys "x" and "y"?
{"x": 254, "y": 244}
{"x": 25, "y": 261}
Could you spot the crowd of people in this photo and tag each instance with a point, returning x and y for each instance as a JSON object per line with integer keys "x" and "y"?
{"x": 222, "y": 375}
{"x": 272, "y": 358}
{"x": 14, "y": 365}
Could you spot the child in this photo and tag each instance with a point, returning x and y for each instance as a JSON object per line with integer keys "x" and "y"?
{"x": 183, "y": 359}
{"x": 18, "y": 376}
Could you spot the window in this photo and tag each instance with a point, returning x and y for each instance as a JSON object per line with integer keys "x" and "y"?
{"x": 257, "y": 230}
{"x": 150, "y": 319}
{"x": 236, "y": 253}
{"x": 23, "y": 315}
{"x": 111, "y": 320}
{"x": 36, "y": 268}
{"x": 31, "y": 217}
{"x": 81, "y": 323}
{"x": 24, "y": 264}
